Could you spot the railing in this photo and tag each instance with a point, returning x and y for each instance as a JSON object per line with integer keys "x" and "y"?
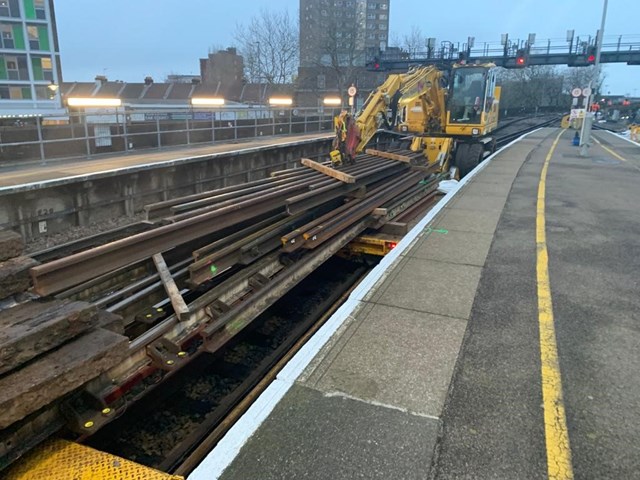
{"x": 450, "y": 51}
{"x": 122, "y": 130}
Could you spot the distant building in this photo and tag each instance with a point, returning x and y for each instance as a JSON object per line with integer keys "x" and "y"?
{"x": 347, "y": 30}
{"x": 223, "y": 71}
{"x": 30, "y": 71}
{"x": 193, "y": 79}
{"x": 337, "y": 37}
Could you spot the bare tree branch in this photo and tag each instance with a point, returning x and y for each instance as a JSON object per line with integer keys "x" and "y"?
{"x": 269, "y": 44}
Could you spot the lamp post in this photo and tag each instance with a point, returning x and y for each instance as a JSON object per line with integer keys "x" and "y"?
{"x": 585, "y": 136}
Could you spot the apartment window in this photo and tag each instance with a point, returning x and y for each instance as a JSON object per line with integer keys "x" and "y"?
{"x": 34, "y": 39}
{"x": 9, "y": 8}
{"x": 383, "y": 16}
{"x": 371, "y": 6}
{"x": 7, "y": 36}
{"x": 383, "y": 26}
{"x": 371, "y": 16}
{"x": 15, "y": 92}
{"x": 321, "y": 82}
{"x": 382, "y": 36}
{"x": 14, "y": 67}
{"x": 44, "y": 93}
{"x": 41, "y": 13}
{"x": 371, "y": 26}
{"x": 42, "y": 68}
{"x": 383, "y": 6}
{"x": 350, "y": 4}
{"x": 371, "y": 36}
{"x": 38, "y": 37}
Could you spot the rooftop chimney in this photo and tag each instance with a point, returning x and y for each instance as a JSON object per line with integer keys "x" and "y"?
{"x": 148, "y": 80}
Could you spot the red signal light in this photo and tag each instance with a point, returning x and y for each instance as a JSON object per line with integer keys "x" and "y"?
{"x": 520, "y": 60}
{"x": 376, "y": 66}
{"x": 591, "y": 58}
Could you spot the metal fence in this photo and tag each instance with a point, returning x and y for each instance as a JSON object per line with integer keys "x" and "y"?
{"x": 99, "y": 131}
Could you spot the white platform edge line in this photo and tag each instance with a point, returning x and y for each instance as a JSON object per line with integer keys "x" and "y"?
{"x": 229, "y": 446}
{"x": 134, "y": 168}
{"x": 617, "y": 135}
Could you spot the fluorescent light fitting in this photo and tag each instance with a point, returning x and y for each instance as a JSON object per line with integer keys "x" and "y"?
{"x": 280, "y": 101}
{"x": 207, "y": 101}
{"x": 94, "y": 102}
{"x": 332, "y": 101}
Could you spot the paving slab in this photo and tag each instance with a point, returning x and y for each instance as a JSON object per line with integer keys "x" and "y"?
{"x": 395, "y": 357}
{"x": 313, "y": 436}
{"x": 489, "y": 177}
{"x": 431, "y": 286}
{"x": 468, "y": 220}
{"x": 14, "y": 275}
{"x": 485, "y": 203}
{"x": 485, "y": 188}
{"x": 11, "y": 245}
{"x": 468, "y": 248}
{"x": 32, "y": 328}
{"x": 48, "y": 378}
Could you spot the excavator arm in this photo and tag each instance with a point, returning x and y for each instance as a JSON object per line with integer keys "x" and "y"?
{"x": 419, "y": 89}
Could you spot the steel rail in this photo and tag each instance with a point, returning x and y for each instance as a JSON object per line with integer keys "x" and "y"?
{"x": 322, "y": 233}
{"x": 61, "y": 274}
{"x": 221, "y": 200}
{"x": 307, "y": 200}
{"x": 246, "y": 250}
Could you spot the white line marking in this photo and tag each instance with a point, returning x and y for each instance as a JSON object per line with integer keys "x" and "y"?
{"x": 378, "y": 404}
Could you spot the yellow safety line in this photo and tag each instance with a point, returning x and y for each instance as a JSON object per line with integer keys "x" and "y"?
{"x": 615, "y": 154}
{"x": 555, "y": 423}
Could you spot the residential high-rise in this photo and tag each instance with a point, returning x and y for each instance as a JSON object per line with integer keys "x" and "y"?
{"x": 30, "y": 72}
{"x": 337, "y": 38}
{"x": 343, "y": 32}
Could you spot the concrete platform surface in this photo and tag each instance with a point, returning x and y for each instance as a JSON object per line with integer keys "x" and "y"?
{"x": 12, "y": 175}
{"x": 435, "y": 372}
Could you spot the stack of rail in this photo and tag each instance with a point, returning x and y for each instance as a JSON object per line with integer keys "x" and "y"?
{"x": 220, "y": 258}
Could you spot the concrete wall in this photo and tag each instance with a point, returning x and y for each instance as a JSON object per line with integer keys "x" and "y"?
{"x": 102, "y": 197}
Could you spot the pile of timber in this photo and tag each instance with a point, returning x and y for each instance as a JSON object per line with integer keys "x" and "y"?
{"x": 48, "y": 348}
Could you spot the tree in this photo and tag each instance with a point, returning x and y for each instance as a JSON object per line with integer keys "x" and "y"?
{"x": 414, "y": 42}
{"x": 269, "y": 44}
{"x": 531, "y": 88}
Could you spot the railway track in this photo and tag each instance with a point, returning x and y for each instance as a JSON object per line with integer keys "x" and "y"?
{"x": 234, "y": 255}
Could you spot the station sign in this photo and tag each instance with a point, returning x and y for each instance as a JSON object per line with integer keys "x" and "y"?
{"x": 576, "y": 92}
{"x": 577, "y": 113}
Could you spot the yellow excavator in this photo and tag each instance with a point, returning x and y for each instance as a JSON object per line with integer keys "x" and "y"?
{"x": 447, "y": 114}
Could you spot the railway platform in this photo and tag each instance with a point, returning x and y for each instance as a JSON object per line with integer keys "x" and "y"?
{"x": 499, "y": 339}
{"x": 60, "y": 171}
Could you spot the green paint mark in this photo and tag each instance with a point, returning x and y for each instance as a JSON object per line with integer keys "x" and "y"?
{"x": 439, "y": 230}
{"x": 213, "y": 269}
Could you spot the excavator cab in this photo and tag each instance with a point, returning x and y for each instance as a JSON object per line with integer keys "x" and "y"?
{"x": 473, "y": 100}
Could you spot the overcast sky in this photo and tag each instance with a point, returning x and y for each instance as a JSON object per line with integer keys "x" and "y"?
{"x": 130, "y": 39}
